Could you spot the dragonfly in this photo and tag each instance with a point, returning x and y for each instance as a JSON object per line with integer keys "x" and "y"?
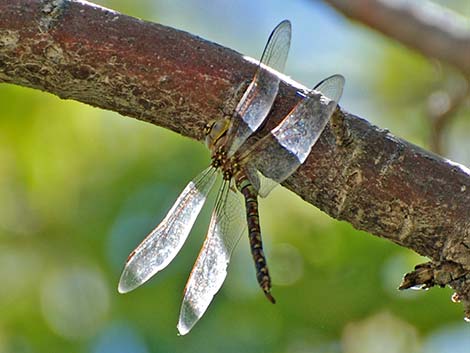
{"x": 246, "y": 170}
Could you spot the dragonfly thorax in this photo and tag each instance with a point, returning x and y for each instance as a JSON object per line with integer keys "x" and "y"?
{"x": 216, "y": 140}
{"x": 227, "y": 165}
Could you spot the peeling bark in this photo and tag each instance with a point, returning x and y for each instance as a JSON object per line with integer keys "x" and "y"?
{"x": 356, "y": 172}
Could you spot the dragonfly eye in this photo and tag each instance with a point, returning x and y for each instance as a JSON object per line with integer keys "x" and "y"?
{"x": 216, "y": 131}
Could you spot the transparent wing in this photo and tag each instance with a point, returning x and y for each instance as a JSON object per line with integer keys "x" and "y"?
{"x": 331, "y": 87}
{"x": 277, "y": 155}
{"x": 159, "y": 248}
{"x": 260, "y": 94}
{"x": 209, "y": 272}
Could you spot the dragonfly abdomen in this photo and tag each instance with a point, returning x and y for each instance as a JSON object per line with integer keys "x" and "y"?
{"x": 254, "y": 233}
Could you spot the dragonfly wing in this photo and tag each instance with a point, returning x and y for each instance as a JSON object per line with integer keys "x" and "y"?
{"x": 265, "y": 184}
{"x": 261, "y": 93}
{"x": 331, "y": 87}
{"x": 209, "y": 272}
{"x": 159, "y": 248}
{"x": 276, "y": 49}
{"x": 286, "y": 147}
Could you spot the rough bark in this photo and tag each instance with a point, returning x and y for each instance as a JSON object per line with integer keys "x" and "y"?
{"x": 356, "y": 172}
{"x": 423, "y": 26}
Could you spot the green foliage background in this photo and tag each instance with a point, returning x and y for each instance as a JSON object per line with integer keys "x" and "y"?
{"x": 80, "y": 187}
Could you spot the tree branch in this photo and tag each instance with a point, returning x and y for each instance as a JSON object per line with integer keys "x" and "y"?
{"x": 428, "y": 28}
{"x": 356, "y": 172}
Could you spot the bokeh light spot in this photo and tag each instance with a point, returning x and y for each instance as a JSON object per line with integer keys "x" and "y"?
{"x": 287, "y": 265}
{"x": 120, "y": 338}
{"x": 449, "y": 339}
{"x": 19, "y": 269}
{"x": 383, "y": 333}
{"x": 75, "y": 301}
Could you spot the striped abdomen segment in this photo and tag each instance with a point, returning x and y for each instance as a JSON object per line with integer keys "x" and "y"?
{"x": 254, "y": 233}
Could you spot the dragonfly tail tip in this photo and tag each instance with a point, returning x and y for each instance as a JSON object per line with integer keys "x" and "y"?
{"x": 270, "y": 297}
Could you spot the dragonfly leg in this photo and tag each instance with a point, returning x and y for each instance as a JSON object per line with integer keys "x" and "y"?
{"x": 254, "y": 233}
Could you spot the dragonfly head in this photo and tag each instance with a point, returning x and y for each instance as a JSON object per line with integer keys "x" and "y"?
{"x": 215, "y": 133}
